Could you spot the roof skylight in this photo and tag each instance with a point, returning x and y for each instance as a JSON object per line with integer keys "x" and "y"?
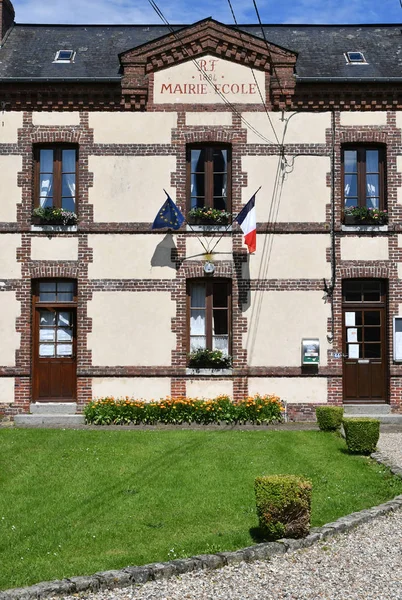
{"x": 355, "y": 58}
{"x": 64, "y": 56}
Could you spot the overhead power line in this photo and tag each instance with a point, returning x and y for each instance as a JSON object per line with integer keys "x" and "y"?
{"x": 207, "y": 77}
{"x": 267, "y": 45}
{"x": 255, "y": 79}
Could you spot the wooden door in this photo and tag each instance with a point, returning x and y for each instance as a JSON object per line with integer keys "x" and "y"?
{"x": 54, "y": 360}
{"x": 365, "y": 352}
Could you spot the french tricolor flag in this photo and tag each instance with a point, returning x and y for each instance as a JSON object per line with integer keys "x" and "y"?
{"x": 248, "y": 223}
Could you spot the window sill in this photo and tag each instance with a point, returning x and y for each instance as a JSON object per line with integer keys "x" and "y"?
{"x": 208, "y": 228}
{"x": 363, "y": 228}
{"x": 54, "y": 228}
{"x": 209, "y": 372}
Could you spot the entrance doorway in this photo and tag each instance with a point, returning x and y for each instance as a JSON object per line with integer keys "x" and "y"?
{"x": 365, "y": 352}
{"x": 55, "y": 341}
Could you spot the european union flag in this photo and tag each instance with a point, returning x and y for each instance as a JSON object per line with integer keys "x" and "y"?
{"x": 168, "y": 216}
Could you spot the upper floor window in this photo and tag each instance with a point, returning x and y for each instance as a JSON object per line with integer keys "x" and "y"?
{"x": 363, "y": 177}
{"x": 56, "y": 177}
{"x": 209, "y": 177}
{"x": 209, "y": 314}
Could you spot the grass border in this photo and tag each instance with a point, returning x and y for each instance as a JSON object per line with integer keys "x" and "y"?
{"x": 107, "y": 580}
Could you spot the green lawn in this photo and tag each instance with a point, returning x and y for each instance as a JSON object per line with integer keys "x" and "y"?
{"x": 75, "y": 502}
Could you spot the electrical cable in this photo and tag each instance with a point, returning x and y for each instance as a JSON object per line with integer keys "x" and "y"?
{"x": 281, "y": 161}
{"x": 267, "y": 45}
{"x": 206, "y": 77}
{"x": 255, "y": 79}
{"x": 266, "y": 252}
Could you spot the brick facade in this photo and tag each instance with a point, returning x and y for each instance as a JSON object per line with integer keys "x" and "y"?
{"x": 135, "y": 94}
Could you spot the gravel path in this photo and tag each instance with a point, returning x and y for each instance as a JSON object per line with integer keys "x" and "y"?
{"x": 391, "y": 445}
{"x": 365, "y": 563}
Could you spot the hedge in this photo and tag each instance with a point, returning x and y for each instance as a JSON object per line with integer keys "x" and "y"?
{"x": 361, "y": 434}
{"x": 122, "y": 411}
{"x": 283, "y": 506}
{"x": 329, "y": 418}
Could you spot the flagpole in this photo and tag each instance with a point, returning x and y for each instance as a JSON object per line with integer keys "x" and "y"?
{"x": 233, "y": 220}
{"x": 189, "y": 224}
{"x": 255, "y": 193}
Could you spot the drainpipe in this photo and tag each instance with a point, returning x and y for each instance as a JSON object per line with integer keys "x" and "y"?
{"x": 329, "y": 289}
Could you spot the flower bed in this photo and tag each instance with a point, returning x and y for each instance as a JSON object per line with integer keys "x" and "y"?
{"x": 123, "y": 411}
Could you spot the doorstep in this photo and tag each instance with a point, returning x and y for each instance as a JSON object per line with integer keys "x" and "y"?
{"x": 50, "y": 413}
{"x": 381, "y": 412}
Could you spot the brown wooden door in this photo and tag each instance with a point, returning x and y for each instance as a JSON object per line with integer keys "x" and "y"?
{"x": 54, "y": 360}
{"x": 365, "y": 364}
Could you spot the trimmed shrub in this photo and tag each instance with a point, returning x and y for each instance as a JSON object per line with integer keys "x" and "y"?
{"x": 283, "y": 506}
{"x": 361, "y": 434}
{"x": 329, "y": 418}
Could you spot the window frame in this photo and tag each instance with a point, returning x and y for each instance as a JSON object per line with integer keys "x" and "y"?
{"x": 57, "y": 280}
{"x": 37, "y": 304}
{"x": 57, "y": 58}
{"x": 208, "y": 181}
{"x": 363, "y": 285}
{"x": 355, "y": 61}
{"x": 67, "y": 363}
{"x": 361, "y": 150}
{"x": 57, "y": 173}
{"x": 208, "y": 310}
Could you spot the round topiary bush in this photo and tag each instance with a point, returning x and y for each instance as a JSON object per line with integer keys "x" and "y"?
{"x": 361, "y": 434}
{"x": 329, "y": 418}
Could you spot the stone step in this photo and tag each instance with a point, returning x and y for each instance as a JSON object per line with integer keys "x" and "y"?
{"x": 395, "y": 419}
{"x": 350, "y": 410}
{"x": 53, "y": 408}
{"x": 50, "y": 420}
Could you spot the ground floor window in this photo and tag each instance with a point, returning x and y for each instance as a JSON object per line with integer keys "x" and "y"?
{"x": 209, "y": 314}
{"x": 54, "y": 340}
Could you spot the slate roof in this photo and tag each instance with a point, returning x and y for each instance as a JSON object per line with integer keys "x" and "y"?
{"x": 321, "y": 49}
{"x": 29, "y": 50}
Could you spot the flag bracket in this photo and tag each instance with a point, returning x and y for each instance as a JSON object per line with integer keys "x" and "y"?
{"x": 209, "y": 268}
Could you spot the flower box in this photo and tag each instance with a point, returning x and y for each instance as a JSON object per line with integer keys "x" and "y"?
{"x": 354, "y": 220}
{"x": 197, "y": 372}
{"x": 53, "y": 216}
{"x": 362, "y": 215}
{"x": 208, "y": 216}
{"x": 206, "y": 221}
{"x": 206, "y": 229}
{"x": 41, "y": 221}
{"x": 209, "y": 359}
{"x": 199, "y": 221}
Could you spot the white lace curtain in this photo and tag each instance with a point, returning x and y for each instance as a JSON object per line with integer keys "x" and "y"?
{"x": 197, "y": 317}
{"x": 46, "y": 175}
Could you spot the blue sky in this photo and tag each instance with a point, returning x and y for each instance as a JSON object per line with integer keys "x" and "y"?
{"x": 185, "y": 11}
